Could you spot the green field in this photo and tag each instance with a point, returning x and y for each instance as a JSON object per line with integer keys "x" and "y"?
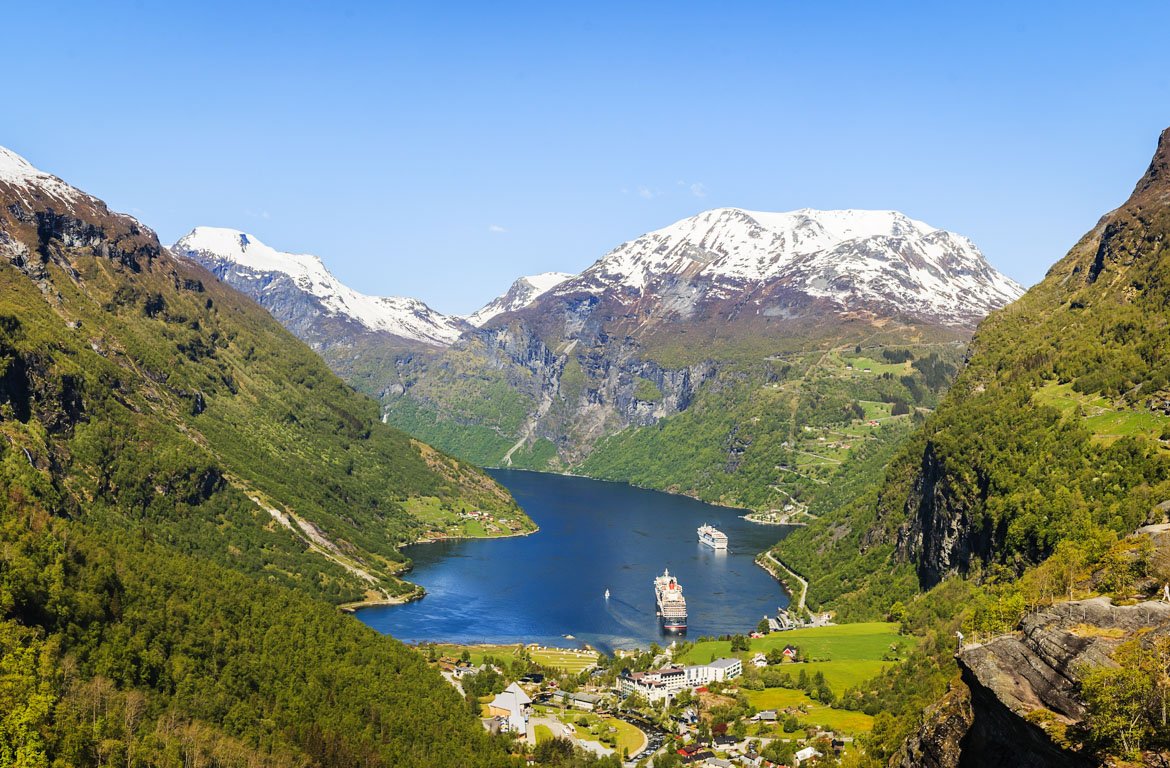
{"x": 568, "y": 659}
{"x": 1099, "y": 415}
{"x": 626, "y": 736}
{"x": 543, "y": 733}
{"x": 866, "y": 641}
{"x": 847, "y": 655}
{"x": 876, "y": 367}
{"x": 843, "y": 720}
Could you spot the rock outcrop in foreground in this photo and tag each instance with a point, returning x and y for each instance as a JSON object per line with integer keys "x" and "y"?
{"x": 1022, "y": 688}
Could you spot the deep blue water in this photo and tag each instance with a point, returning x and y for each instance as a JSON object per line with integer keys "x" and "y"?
{"x": 593, "y": 535}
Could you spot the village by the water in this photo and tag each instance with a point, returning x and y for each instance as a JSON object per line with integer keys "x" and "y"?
{"x": 757, "y": 699}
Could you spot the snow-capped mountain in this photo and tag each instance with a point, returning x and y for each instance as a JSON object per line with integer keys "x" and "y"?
{"x": 274, "y": 278}
{"x": 522, "y": 293}
{"x": 21, "y": 175}
{"x": 876, "y": 261}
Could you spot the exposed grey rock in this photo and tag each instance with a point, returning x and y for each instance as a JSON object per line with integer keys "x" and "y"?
{"x": 938, "y": 744}
{"x": 1030, "y": 672}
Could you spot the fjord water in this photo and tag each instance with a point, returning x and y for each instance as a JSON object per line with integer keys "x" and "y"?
{"x": 593, "y": 536}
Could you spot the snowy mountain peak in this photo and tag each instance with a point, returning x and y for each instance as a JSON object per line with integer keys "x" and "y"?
{"x": 242, "y": 260}
{"x": 857, "y": 259}
{"x": 522, "y": 293}
{"x": 18, "y": 172}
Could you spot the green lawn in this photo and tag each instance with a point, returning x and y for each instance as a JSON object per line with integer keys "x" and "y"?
{"x": 876, "y": 410}
{"x": 841, "y": 675}
{"x": 818, "y": 714}
{"x": 567, "y": 659}
{"x": 543, "y": 733}
{"x": 627, "y": 736}
{"x": 841, "y": 642}
{"x": 1100, "y": 416}
{"x": 876, "y": 368}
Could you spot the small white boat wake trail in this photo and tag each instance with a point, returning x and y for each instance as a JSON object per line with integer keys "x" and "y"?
{"x": 626, "y": 615}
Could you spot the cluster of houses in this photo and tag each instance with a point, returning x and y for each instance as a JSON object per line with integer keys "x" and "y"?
{"x": 701, "y": 757}
{"x": 665, "y": 683}
{"x": 789, "y": 653}
{"x": 510, "y": 710}
{"x": 459, "y": 668}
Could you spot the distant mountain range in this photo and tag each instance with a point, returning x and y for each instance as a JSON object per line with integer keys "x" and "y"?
{"x": 544, "y": 374}
{"x": 730, "y": 262}
{"x": 872, "y": 262}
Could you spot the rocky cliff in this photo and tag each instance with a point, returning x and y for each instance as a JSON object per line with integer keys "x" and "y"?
{"x": 1020, "y": 698}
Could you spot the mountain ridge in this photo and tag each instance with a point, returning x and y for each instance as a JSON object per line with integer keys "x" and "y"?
{"x": 256, "y": 269}
{"x": 850, "y": 257}
{"x": 522, "y": 292}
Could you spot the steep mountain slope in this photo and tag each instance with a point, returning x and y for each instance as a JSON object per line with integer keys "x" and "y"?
{"x": 94, "y": 299}
{"x": 187, "y": 489}
{"x": 1056, "y": 430}
{"x": 693, "y": 357}
{"x": 522, "y": 293}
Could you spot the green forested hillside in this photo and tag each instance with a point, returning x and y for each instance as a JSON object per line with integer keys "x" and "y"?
{"x": 785, "y": 433}
{"x": 1055, "y": 430}
{"x": 185, "y": 494}
{"x": 1022, "y": 490}
{"x": 129, "y": 653}
{"x": 158, "y": 390}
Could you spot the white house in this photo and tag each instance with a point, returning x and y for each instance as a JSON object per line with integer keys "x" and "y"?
{"x": 760, "y": 660}
{"x": 807, "y": 753}
{"x": 512, "y": 705}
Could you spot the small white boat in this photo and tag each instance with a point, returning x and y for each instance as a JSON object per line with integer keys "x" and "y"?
{"x": 607, "y": 594}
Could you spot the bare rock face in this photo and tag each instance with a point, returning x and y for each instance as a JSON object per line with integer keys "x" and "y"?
{"x": 939, "y": 743}
{"x": 1016, "y": 683}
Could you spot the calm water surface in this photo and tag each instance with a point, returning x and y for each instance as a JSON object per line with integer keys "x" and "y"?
{"x": 593, "y": 536}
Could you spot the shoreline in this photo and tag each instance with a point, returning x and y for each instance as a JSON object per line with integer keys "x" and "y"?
{"x": 764, "y": 558}
{"x": 784, "y": 522}
{"x": 438, "y": 539}
{"x": 720, "y": 504}
{"x": 418, "y": 593}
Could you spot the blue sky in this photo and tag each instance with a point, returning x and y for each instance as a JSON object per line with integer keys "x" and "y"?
{"x": 440, "y": 150}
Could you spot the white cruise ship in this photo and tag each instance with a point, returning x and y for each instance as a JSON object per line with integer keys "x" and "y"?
{"x": 712, "y": 537}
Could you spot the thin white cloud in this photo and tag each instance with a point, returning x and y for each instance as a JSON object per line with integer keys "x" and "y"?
{"x": 694, "y": 188}
{"x": 496, "y": 229}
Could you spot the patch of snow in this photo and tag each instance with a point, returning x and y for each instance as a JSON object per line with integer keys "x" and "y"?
{"x": 852, "y": 257}
{"x": 521, "y": 294}
{"x": 401, "y": 316}
{"x": 18, "y": 172}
